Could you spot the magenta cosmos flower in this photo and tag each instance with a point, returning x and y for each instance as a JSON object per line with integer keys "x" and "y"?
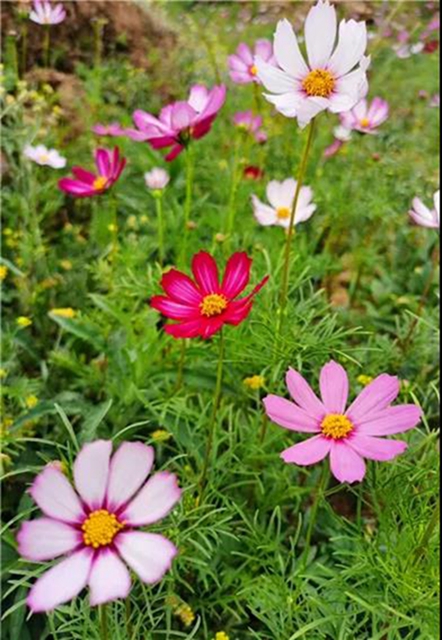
{"x": 43, "y": 12}
{"x": 346, "y": 435}
{"x": 425, "y": 217}
{"x": 180, "y": 122}
{"x": 335, "y": 77}
{"x": 364, "y": 117}
{"x": 96, "y": 525}
{"x": 248, "y": 122}
{"x": 242, "y": 66}
{"x": 113, "y": 130}
{"x": 85, "y": 184}
{"x": 204, "y": 305}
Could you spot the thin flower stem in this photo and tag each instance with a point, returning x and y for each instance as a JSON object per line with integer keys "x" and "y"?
{"x": 428, "y": 533}
{"x": 215, "y": 407}
{"x": 188, "y": 201}
{"x": 129, "y": 628}
{"x": 46, "y": 45}
{"x": 160, "y": 223}
{"x": 233, "y": 188}
{"x": 290, "y": 233}
{"x": 256, "y": 96}
{"x": 24, "y": 48}
{"x": 180, "y": 375}
{"x": 323, "y": 483}
{"x": 104, "y": 623}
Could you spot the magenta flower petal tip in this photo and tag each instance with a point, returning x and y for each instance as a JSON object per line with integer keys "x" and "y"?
{"x": 346, "y": 435}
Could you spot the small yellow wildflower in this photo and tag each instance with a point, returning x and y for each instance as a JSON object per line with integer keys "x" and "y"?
{"x": 254, "y": 382}
{"x": 365, "y": 380}
{"x": 7, "y": 231}
{"x": 66, "y": 265}
{"x": 66, "y": 312}
{"x": 144, "y": 219}
{"x": 3, "y": 374}
{"x": 31, "y": 401}
{"x": 3, "y": 272}
{"x": 23, "y": 322}
{"x": 132, "y": 222}
{"x": 185, "y": 613}
{"x": 49, "y": 283}
{"x": 161, "y": 435}
{"x": 221, "y": 635}
{"x": 112, "y": 227}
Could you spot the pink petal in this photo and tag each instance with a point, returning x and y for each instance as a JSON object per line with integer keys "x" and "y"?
{"x": 391, "y": 421}
{"x": 334, "y": 387}
{"x": 376, "y": 448}
{"x": 91, "y": 471}
{"x": 181, "y": 288}
{"x": 109, "y": 578}
{"x": 175, "y": 152}
{"x": 308, "y": 452}
{"x": 155, "y": 500}
{"x": 375, "y": 397}
{"x": 289, "y": 416}
{"x": 244, "y": 53}
{"x": 55, "y": 496}
{"x": 148, "y": 554}
{"x": 198, "y": 97}
{"x": 237, "y": 275}
{"x": 303, "y": 395}
{"x": 174, "y": 310}
{"x": 190, "y": 329}
{"x": 103, "y": 162}
{"x": 205, "y": 272}
{"x": 61, "y": 583}
{"x": 183, "y": 116}
{"x": 75, "y": 188}
{"x": 346, "y": 465}
{"x": 45, "y": 539}
{"x": 84, "y": 176}
{"x": 129, "y": 468}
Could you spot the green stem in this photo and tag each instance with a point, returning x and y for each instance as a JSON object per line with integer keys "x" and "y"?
{"x": 160, "y": 223}
{"x": 216, "y": 403}
{"x": 323, "y": 483}
{"x": 233, "y": 189}
{"x": 180, "y": 375}
{"x": 428, "y": 533}
{"x": 288, "y": 246}
{"x": 188, "y": 200}
{"x": 128, "y": 620}
{"x": 46, "y": 45}
{"x": 24, "y": 48}
{"x": 103, "y": 623}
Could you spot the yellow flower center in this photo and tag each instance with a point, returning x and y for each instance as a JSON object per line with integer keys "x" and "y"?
{"x": 100, "y": 528}
{"x": 213, "y": 305}
{"x": 283, "y": 213}
{"x": 99, "y": 183}
{"x": 253, "y": 70}
{"x": 319, "y": 83}
{"x": 336, "y": 426}
{"x": 44, "y": 157}
{"x": 365, "y": 122}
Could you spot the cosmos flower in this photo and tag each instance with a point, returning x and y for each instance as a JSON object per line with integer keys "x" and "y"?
{"x": 252, "y": 172}
{"x": 157, "y": 179}
{"x": 280, "y": 196}
{"x": 95, "y": 525}
{"x": 342, "y": 135}
{"x": 346, "y": 435}
{"x": 113, "y": 130}
{"x": 43, "y": 12}
{"x": 204, "y": 305}
{"x": 44, "y": 157}
{"x": 425, "y": 217}
{"x": 334, "y": 78}
{"x": 180, "y": 122}
{"x": 85, "y": 184}
{"x": 364, "y": 117}
{"x": 247, "y": 121}
{"x": 242, "y": 68}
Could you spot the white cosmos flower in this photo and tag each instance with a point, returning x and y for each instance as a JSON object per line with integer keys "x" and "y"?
{"x": 157, "y": 179}
{"x": 280, "y": 196}
{"x": 45, "y": 157}
{"x": 425, "y": 217}
{"x": 334, "y": 78}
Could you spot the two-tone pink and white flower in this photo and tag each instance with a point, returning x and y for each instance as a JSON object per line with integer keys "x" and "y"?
{"x": 280, "y": 196}
{"x": 180, "y": 122}
{"x": 423, "y": 215}
{"x": 242, "y": 68}
{"x": 156, "y": 179}
{"x": 44, "y": 157}
{"x": 45, "y": 13}
{"x": 365, "y": 117}
{"x": 251, "y": 123}
{"x": 96, "y": 525}
{"x": 334, "y": 78}
{"x": 346, "y": 435}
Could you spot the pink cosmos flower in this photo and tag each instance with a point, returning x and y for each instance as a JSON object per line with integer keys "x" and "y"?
{"x": 366, "y": 118}
{"x": 113, "y": 129}
{"x": 346, "y": 435}
{"x": 342, "y": 135}
{"x": 96, "y": 524}
{"x": 335, "y": 77}
{"x": 250, "y": 123}
{"x": 280, "y": 196}
{"x": 157, "y": 179}
{"x": 242, "y": 66}
{"x": 425, "y": 217}
{"x": 180, "y": 122}
{"x": 205, "y": 305}
{"x": 85, "y": 184}
{"x": 44, "y": 12}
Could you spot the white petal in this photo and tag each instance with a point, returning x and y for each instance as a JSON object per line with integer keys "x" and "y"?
{"x": 351, "y": 47}
{"x": 91, "y": 471}
{"x": 129, "y": 468}
{"x": 45, "y": 538}
{"x": 265, "y": 215}
{"x": 287, "y": 52}
{"x": 274, "y": 192}
{"x": 109, "y": 578}
{"x": 320, "y": 33}
{"x": 155, "y": 500}
{"x": 274, "y": 79}
{"x": 55, "y": 496}
{"x": 288, "y": 103}
{"x": 288, "y": 189}
{"x": 148, "y": 554}
{"x": 304, "y": 213}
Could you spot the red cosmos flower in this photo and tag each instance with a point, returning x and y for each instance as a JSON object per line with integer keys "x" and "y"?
{"x": 203, "y": 306}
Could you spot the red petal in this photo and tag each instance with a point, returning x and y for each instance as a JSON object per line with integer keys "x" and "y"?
{"x": 206, "y": 272}
{"x": 172, "y": 309}
{"x": 181, "y": 288}
{"x": 237, "y": 275}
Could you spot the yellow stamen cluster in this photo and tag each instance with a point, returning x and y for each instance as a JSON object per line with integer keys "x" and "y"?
{"x": 319, "y": 83}
{"x": 365, "y": 123}
{"x": 100, "y": 528}
{"x": 213, "y": 305}
{"x": 283, "y": 213}
{"x": 336, "y": 426}
{"x": 254, "y": 382}
{"x": 99, "y": 183}
{"x": 253, "y": 70}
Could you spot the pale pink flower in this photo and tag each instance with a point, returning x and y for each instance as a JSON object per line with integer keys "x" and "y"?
{"x": 157, "y": 179}
{"x": 334, "y": 79}
{"x": 44, "y": 157}
{"x": 280, "y": 196}
{"x": 434, "y": 102}
{"x": 425, "y": 217}
{"x": 44, "y": 12}
{"x": 342, "y": 135}
{"x": 346, "y": 435}
{"x": 364, "y": 117}
{"x": 242, "y": 66}
{"x": 113, "y": 129}
{"x": 96, "y": 524}
{"x": 251, "y": 123}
